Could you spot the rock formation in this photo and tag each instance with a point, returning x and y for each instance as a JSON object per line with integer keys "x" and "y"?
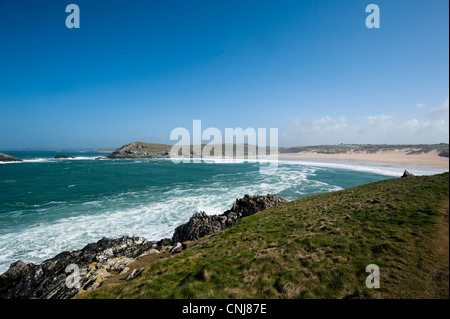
{"x": 15, "y": 272}
{"x": 63, "y": 156}
{"x": 406, "y": 174}
{"x": 141, "y": 150}
{"x": 71, "y": 273}
{"x": 201, "y": 224}
{"x": 48, "y": 280}
{"x": 8, "y": 158}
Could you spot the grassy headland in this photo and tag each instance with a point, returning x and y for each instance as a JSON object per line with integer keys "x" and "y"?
{"x": 315, "y": 247}
{"x": 430, "y": 155}
{"x": 442, "y": 149}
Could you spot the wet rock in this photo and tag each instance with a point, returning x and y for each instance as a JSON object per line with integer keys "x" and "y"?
{"x": 8, "y": 158}
{"x": 63, "y": 156}
{"x": 48, "y": 280}
{"x": 201, "y": 224}
{"x": 72, "y": 273}
{"x": 15, "y": 272}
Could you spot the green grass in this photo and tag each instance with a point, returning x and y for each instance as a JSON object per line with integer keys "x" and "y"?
{"x": 369, "y": 148}
{"x": 315, "y": 247}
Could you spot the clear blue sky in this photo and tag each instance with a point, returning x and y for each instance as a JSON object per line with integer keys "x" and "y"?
{"x": 137, "y": 69}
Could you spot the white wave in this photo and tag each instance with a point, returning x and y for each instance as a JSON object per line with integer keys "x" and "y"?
{"x": 381, "y": 168}
{"x": 138, "y": 214}
{"x": 79, "y": 158}
{"x": 386, "y": 169}
{"x": 34, "y": 160}
{"x": 52, "y": 160}
{"x": 153, "y": 213}
{"x": 39, "y": 160}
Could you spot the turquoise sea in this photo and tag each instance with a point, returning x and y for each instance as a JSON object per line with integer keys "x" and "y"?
{"x": 50, "y": 205}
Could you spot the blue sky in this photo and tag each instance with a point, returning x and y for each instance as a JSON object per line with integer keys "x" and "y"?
{"x": 135, "y": 70}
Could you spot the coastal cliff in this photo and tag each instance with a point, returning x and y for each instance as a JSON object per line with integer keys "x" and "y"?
{"x": 201, "y": 224}
{"x": 314, "y": 247}
{"x": 153, "y": 150}
{"x": 141, "y": 150}
{"x": 98, "y": 261}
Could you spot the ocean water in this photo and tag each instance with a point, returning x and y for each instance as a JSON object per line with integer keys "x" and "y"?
{"x": 50, "y": 205}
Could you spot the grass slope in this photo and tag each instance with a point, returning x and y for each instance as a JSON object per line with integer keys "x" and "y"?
{"x": 370, "y": 148}
{"x": 316, "y": 247}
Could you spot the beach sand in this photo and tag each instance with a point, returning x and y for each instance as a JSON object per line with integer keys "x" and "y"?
{"x": 430, "y": 159}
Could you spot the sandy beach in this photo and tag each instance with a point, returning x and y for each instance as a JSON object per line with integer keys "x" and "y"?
{"x": 430, "y": 159}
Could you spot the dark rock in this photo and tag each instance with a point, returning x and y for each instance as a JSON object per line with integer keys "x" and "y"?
{"x": 8, "y": 158}
{"x": 63, "y": 156}
{"x": 406, "y": 174}
{"x": 48, "y": 280}
{"x": 444, "y": 153}
{"x": 141, "y": 150}
{"x": 201, "y": 224}
{"x": 164, "y": 242}
{"x": 15, "y": 272}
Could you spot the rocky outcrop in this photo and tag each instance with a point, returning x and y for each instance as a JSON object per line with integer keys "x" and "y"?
{"x": 72, "y": 273}
{"x": 406, "y": 174}
{"x": 15, "y": 272}
{"x": 201, "y": 224}
{"x": 444, "y": 153}
{"x": 141, "y": 150}
{"x": 84, "y": 269}
{"x": 8, "y": 158}
{"x": 63, "y": 156}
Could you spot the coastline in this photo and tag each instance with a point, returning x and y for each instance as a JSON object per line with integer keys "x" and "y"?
{"x": 125, "y": 259}
{"x": 430, "y": 159}
{"x": 118, "y": 257}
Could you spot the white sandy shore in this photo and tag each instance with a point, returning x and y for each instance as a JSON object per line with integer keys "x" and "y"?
{"x": 430, "y": 159}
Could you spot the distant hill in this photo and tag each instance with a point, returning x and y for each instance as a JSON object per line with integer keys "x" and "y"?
{"x": 442, "y": 149}
{"x": 141, "y": 150}
{"x": 154, "y": 150}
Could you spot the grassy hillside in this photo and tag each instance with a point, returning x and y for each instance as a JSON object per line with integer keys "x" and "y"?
{"x": 151, "y": 147}
{"x": 220, "y": 148}
{"x": 315, "y": 247}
